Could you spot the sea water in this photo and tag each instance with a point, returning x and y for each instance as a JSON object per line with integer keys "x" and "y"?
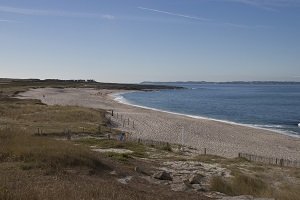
{"x": 270, "y": 106}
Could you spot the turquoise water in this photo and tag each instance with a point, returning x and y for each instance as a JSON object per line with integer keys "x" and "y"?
{"x": 272, "y": 106}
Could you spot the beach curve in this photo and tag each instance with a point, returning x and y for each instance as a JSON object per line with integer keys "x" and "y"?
{"x": 220, "y": 138}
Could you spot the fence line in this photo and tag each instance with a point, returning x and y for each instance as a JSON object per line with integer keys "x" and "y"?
{"x": 148, "y": 142}
{"x": 270, "y": 160}
{"x": 123, "y": 121}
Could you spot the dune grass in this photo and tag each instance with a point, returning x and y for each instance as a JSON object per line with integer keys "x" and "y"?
{"x": 35, "y": 152}
{"x": 31, "y": 115}
{"x": 258, "y": 180}
{"x": 239, "y": 185}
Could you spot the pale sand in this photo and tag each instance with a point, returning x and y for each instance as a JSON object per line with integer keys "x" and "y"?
{"x": 218, "y": 137}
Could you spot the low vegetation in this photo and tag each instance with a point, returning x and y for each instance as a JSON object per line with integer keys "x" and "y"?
{"x": 36, "y": 152}
{"x": 239, "y": 185}
{"x": 139, "y": 150}
{"x": 38, "y": 162}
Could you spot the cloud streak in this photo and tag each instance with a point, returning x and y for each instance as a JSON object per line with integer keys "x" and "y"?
{"x": 53, "y": 13}
{"x": 205, "y": 20}
{"x": 266, "y": 4}
{"x": 175, "y": 14}
{"x": 6, "y": 20}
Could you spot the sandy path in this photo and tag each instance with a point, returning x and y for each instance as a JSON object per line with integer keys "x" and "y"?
{"x": 218, "y": 137}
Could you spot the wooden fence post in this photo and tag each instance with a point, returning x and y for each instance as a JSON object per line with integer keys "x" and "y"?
{"x": 69, "y": 135}
{"x": 281, "y": 162}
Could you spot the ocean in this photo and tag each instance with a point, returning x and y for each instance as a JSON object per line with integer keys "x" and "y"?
{"x": 268, "y": 106}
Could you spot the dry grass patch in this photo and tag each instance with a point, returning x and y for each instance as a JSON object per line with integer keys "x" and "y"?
{"x": 139, "y": 150}
{"x": 35, "y": 152}
{"x": 240, "y": 185}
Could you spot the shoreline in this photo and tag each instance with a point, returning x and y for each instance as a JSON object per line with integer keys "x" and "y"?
{"x": 219, "y": 138}
{"x": 117, "y": 96}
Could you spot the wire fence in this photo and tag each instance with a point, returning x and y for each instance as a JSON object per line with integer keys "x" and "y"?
{"x": 117, "y": 120}
{"x": 270, "y": 160}
{"x": 126, "y": 122}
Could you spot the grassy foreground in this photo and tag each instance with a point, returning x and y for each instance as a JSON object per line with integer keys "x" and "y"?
{"x": 35, "y": 167}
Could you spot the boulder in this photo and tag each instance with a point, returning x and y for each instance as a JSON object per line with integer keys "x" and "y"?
{"x": 162, "y": 175}
{"x": 142, "y": 171}
{"x": 196, "y": 179}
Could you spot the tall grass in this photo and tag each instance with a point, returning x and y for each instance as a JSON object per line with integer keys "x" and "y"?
{"x": 248, "y": 185}
{"x": 240, "y": 184}
{"x": 37, "y": 152}
{"x": 31, "y": 114}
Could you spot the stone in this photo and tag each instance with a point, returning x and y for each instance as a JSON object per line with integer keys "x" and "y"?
{"x": 198, "y": 187}
{"x": 142, "y": 171}
{"x": 179, "y": 187}
{"x": 124, "y": 180}
{"x": 196, "y": 179}
{"x": 113, "y": 172}
{"x": 163, "y": 175}
{"x": 137, "y": 169}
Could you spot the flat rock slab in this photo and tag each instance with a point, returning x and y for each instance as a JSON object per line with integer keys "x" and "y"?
{"x": 125, "y": 180}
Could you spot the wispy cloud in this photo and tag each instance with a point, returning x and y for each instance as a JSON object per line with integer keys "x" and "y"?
{"x": 55, "y": 13}
{"x": 6, "y": 20}
{"x": 175, "y": 14}
{"x": 267, "y": 4}
{"x": 205, "y": 20}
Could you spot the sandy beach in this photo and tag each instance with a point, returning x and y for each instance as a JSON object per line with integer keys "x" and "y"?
{"x": 219, "y": 138}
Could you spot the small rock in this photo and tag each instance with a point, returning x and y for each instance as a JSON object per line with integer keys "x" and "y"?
{"x": 113, "y": 172}
{"x": 92, "y": 172}
{"x": 198, "y": 187}
{"x": 196, "y": 179}
{"x": 137, "y": 169}
{"x": 142, "y": 171}
{"x": 198, "y": 165}
{"x": 162, "y": 175}
{"x": 125, "y": 180}
{"x": 179, "y": 187}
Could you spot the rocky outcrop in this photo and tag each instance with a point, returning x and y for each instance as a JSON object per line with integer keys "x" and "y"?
{"x": 162, "y": 175}
{"x": 196, "y": 179}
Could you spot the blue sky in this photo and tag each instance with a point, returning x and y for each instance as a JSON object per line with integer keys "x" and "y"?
{"x": 153, "y": 40}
